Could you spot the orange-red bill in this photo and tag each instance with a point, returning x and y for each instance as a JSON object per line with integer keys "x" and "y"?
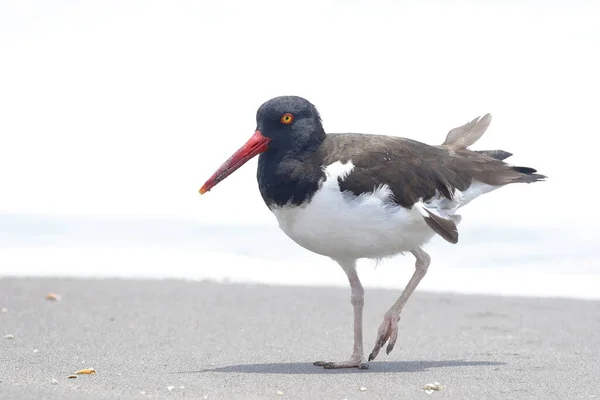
{"x": 255, "y": 145}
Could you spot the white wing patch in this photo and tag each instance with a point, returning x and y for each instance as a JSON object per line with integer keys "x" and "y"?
{"x": 337, "y": 170}
{"x": 439, "y": 212}
{"x": 475, "y": 190}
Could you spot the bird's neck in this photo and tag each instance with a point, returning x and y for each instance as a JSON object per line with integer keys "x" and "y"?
{"x": 290, "y": 176}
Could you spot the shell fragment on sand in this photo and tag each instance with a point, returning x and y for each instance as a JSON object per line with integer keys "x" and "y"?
{"x": 86, "y": 371}
{"x": 52, "y": 297}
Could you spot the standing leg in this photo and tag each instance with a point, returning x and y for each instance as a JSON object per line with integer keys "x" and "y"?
{"x": 357, "y": 358}
{"x": 389, "y": 327}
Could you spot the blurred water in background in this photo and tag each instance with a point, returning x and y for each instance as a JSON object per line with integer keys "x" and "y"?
{"x": 488, "y": 259}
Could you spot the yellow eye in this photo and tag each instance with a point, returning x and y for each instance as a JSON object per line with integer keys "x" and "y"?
{"x": 287, "y": 118}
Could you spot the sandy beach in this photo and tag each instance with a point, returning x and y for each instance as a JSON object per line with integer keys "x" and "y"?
{"x": 203, "y": 340}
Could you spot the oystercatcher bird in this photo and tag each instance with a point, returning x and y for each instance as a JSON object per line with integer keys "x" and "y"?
{"x": 351, "y": 196}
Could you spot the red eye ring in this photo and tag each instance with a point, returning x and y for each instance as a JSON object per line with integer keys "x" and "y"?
{"x": 287, "y": 118}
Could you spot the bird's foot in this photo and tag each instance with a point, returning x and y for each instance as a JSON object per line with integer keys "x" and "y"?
{"x": 356, "y": 361}
{"x": 388, "y": 332}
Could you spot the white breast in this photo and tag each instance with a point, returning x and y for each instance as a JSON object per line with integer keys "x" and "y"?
{"x": 341, "y": 225}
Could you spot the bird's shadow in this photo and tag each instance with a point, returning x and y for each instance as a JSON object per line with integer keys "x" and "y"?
{"x": 298, "y": 368}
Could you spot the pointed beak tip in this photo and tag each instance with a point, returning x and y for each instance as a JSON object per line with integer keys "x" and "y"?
{"x": 255, "y": 145}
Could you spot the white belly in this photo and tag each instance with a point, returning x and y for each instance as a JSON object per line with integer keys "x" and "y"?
{"x": 341, "y": 225}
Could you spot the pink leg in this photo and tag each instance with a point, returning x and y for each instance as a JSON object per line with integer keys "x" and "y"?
{"x": 389, "y": 327}
{"x": 357, "y": 359}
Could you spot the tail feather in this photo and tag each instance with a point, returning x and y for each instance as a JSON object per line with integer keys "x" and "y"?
{"x": 528, "y": 175}
{"x": 497, "y": 173}
{"x": 464, "y": 136}
{"x": 524, "y": 170}
{"x": 497, "y": 154}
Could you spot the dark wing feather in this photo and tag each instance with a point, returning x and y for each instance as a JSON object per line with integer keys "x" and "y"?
{"x": 445, "y": 227}
{"x": 413, "y": 170}
{"x": 497, "y": 154}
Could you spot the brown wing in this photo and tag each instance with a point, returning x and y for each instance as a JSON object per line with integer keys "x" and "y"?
{"x": 413, "y": 170}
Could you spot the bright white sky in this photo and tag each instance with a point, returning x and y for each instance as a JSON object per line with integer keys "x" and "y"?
{"x": 126, "y": 107}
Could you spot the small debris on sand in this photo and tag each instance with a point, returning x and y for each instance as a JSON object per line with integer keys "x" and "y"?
{"x": 54, "y": 382}
{"x": 431, "y": 387}
{"x": 8, "y": 336}
{"x": 4, "y": 309}
{"x": 36, "y": 351}
{"x": 52, "y": 296}
{"x": 72, "y": 376}
{"x": 169, "y": 388}
{"x": 279, "y": 393}
{"x": 362, "y": 389}
{"x": 86, "y": 371}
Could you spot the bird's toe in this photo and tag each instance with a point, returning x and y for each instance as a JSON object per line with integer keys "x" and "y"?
{"x": 388, "y": 332}
{"x": 355, "y": 362}
{"x": 392, "y": 340}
